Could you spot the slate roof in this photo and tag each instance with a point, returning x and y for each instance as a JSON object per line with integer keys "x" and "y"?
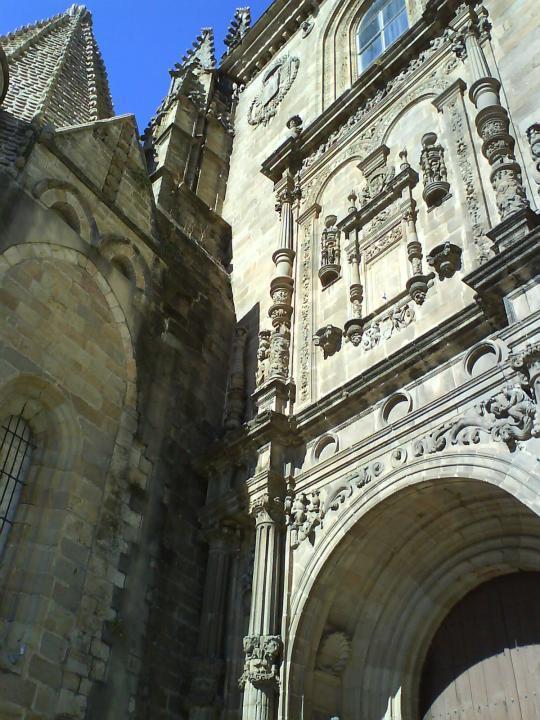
{"x": 57, "y": 73}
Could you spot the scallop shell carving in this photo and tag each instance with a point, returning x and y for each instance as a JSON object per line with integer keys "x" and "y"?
{"x": 334, "y": 653}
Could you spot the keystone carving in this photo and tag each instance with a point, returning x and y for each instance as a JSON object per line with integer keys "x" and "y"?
{"x": 276, "y": 84}
{"x": 436, "y": 185}
{"x": 261, "y": 667}
{"x": 329, "y": 339}
{"x": 304, "y": 514}
{"x": 445, "y": 259}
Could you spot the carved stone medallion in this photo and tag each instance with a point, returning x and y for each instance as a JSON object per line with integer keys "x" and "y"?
{"x": 276, "y": 84}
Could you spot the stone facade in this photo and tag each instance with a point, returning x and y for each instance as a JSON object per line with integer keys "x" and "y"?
{"x": 284, "y": 420}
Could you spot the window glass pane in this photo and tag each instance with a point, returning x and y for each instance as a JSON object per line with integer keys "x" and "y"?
{"x": 391, "y": 9}
{"x": 15, "y": 458}
{"x": 396, "y": 28}
{"x": 370, "y": 54}
{"x": 368, "y": 31}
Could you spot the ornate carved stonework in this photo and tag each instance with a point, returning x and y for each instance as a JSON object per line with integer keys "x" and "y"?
{"x": 263, "y": 354}
{"x": 533, "y": 136}
{"x": 334, "y": 653}
{"x": 329, "y": 339}
{"x": 387, "y": 325}
{"x": 330, "y": 268}
{"x": 451, "y": 103}
{"x": 304, "y": 514}
{"x": 305, "y": 313}
{"x": 436, "y": 185}
{"x": 263, "y": 655}
{"x": 445, "y": 259}
{"x": 276, "y": 84}
{"x": 381, "y": 243}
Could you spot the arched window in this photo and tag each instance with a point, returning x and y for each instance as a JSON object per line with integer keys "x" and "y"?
{"x": 15, "y": 459}
{"x": 382, "y": 25}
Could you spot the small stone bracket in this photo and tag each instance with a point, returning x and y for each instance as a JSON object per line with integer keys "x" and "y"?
{"x": 329, "y": 339}
{"x": 445, "y": 259}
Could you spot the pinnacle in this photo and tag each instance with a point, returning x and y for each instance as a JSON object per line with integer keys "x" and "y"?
{"x": 239, "y": 26}
{"x": 202, "y": 53}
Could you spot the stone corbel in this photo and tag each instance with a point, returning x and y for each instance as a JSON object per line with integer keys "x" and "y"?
{"x": 328, "y": 338}
{"x": 445, "y": 259}
{"x": 263, "y": 657}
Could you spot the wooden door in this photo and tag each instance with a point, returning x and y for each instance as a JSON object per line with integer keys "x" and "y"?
{"x": 484, "y": 661}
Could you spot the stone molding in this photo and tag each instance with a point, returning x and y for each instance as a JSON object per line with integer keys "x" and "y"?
{"x": 276, "y": 83}
{"x": 509, "y": 416}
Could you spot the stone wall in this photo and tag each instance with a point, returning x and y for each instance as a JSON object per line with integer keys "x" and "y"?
{"x": 115, "y": 345}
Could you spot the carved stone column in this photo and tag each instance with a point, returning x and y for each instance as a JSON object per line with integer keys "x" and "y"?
{"x": 281, "y": 391}
{"x": 354, "y": 326}
{"x": 263, "y": 645}
{"x": 209, "y": 664}
{"x": 493, "y": 125}
{"x": 235, "y": 392}
{"x": 418, "y": 283}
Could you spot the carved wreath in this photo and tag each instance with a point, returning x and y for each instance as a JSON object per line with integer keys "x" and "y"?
{"x": 276, "y": 84}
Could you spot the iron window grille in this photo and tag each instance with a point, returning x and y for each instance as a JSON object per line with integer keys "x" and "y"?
{"x": 15, "y": 459}
{"x": 384, "y": 22}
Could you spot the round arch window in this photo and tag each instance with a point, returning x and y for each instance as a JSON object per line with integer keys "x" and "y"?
{"x": 15, "y": 459}
{"x": 384, "y": 22}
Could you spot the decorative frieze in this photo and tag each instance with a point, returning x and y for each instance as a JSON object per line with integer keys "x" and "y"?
{"x": 451, "y": 104}
{"x": 392, "y": 85}
{"x": 385, "y": 326}
{"x": 436, "y": 185}
{"x": 276, "y": 83}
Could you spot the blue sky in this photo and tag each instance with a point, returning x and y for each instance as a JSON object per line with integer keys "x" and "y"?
{"x": 139, "y": 39}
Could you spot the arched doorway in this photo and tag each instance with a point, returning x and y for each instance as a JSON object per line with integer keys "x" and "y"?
{"x": 484, "y": 660}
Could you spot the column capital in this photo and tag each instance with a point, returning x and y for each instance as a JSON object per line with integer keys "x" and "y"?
{"x": 266, "y": 509}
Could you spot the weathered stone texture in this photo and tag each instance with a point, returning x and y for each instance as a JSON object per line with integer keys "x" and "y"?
{"x": 283, "y": 421}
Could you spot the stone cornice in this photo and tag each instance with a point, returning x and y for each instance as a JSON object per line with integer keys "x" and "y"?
{"x": 506, "y": 271}
{"x": 289, "y": 154}
{"x": 267, "y": 36}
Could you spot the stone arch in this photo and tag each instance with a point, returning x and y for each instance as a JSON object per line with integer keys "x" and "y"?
{"x": 87, "y": 422}
{"x": 339, "y": 45}
{"x": 493, "y": 501}
{"x": 127, "y": 258}
{"x": 50, "y": 414}
{"x": 18, "y": 253}
{"x": 68, "y": 202}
